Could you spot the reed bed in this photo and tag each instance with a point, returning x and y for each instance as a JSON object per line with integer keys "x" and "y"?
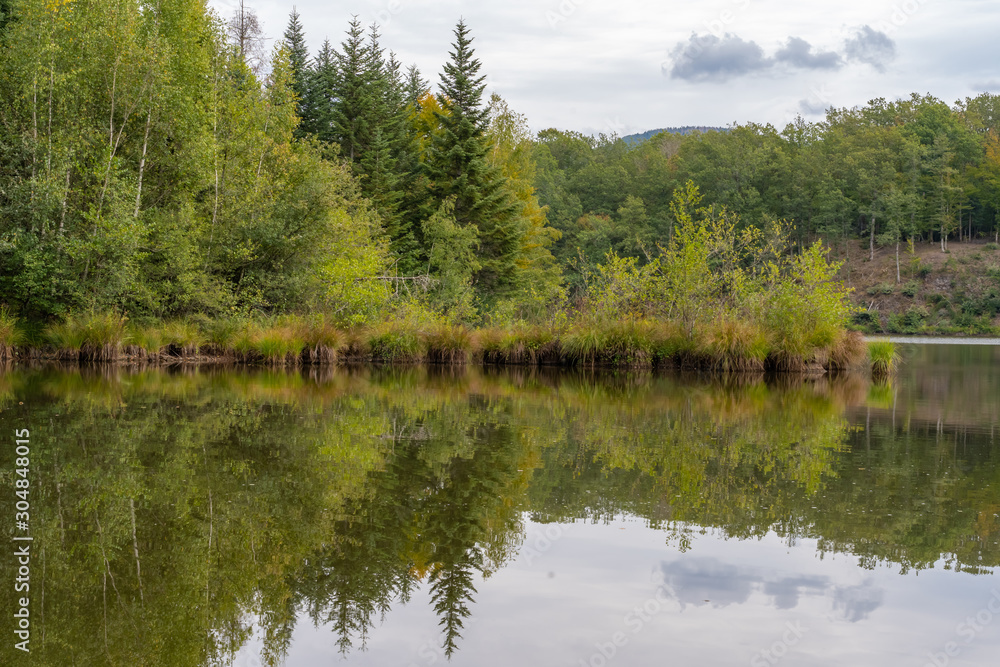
{"x": 726, "y": 344}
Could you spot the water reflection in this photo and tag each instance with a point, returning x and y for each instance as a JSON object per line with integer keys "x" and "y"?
{"x": 708, "y": 581}
{"x": 181, "y": 512}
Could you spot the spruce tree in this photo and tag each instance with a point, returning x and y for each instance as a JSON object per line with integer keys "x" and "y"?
{"x": 321, "y": 90}
{"x": 298, "y": 58}
{"x": 416, "y": 86}
{"x": 352, "y": 93}
{"x": 458, "y": 167}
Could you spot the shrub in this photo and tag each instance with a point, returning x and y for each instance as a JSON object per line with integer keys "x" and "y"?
{"x": 910, "y": 322}
{"x": 991, "y": 246}
{"x": 911, "y": 288}
{"x": 867, "y": 320}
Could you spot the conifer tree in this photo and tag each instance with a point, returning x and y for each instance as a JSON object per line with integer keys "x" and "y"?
{"x": 321, "y": 92}
{"x": 352, "y": 93}
{"x": 458, "y": 168}
{"x": 298, "y": 58}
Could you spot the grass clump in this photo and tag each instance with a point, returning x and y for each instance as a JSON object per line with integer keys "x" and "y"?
{"x": 391, "y": 342}
{"x": 883, "y": 357}
{"x": 732, "y": 345}
{"x": 278, "y": 344}
{"x": 323, "y": 341}
{"x": 448, "y": 344}
{"x": 520, "y": 344}
{"x": 91, "y": 336}
{"x": 848, "y": 351}
{"x": 145, "y": 342}
{"x": 182, "y": 339}
{"x": 10, "y": 333}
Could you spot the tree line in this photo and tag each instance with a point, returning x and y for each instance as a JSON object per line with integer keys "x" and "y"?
{"x": 886, "y": 173}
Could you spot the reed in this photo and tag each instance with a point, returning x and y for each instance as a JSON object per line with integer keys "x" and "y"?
{"x": 848, "y": 351}
{"x": 89, "y": 337}
{"x": 11, "y": 334}
{"x": 732, "y": 345}
{"x": 182, "y": 339}
{"x": 323, "y": 342}
{"x": 883, "y": 357}
{"x": 448, "y": 344}
{"x": 521, "y": 344}
{"x": 392, "y": 342}
{"x": 278, "y": 345}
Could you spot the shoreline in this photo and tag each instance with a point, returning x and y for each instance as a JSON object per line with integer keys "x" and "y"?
{"x": 934, "y": 340}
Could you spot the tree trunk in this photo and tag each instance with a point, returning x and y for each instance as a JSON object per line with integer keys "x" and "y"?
{"x": 897, "y": 261}
{"x": 135, "y": 549}
{"x": 142, "y": 163}
{"x": 871, "y": 242}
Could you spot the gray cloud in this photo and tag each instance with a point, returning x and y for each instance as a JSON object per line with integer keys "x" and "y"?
{"x": 813, "y": 107}
{"x": 697, "y": 581}
{"x": 713, "y": 58}
{"x": 798, "y": 52}
{"x": 871, "y": 47}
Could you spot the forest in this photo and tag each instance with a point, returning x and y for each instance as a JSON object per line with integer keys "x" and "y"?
{"x": 160, "y": 168}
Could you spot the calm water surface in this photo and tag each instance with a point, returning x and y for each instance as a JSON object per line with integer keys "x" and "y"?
{"x": 419, "y": 516}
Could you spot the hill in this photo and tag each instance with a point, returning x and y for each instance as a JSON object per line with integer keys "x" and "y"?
{"x": 951, "y": 293}
{"x": 638, "y": 138}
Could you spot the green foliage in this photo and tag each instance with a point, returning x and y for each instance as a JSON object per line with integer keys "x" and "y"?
{"x": 910, "y": 289}
{"x": 910, "y": 322}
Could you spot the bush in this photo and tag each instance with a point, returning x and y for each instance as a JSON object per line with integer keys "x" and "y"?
{"x": 910, "y": 322}
{"x": 991, "y": 246}
{"x": 911, "y": 288}
{"x": 867, "y": 320}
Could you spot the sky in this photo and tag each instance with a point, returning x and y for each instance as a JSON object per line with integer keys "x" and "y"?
{"x": 635, "y": 65}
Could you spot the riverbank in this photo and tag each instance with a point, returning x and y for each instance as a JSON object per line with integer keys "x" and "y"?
{"x": 722, "y": 345}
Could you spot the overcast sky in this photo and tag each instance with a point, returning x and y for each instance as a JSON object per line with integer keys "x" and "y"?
{"x": 634, "y": 65}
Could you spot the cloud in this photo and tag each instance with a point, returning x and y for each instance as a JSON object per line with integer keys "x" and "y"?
{"x": 813, "y": 107}
{"x": 713, "y": 58}
{"x": 987, "y": 86}
{"x": 798, "y": 52}
{"x": 871, "y": 47}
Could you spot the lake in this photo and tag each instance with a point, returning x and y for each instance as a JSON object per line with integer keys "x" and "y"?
{"x": 420, "y": 516}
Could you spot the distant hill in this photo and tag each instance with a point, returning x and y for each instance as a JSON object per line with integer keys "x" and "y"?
{"x": 689, "y": 129}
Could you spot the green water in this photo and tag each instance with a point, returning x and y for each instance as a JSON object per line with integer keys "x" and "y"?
{"x": 510, "y": 517}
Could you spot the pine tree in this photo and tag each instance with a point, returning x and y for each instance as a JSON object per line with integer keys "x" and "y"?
{"x": 458, "y": 168}
{"x": 298, "y": 57}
